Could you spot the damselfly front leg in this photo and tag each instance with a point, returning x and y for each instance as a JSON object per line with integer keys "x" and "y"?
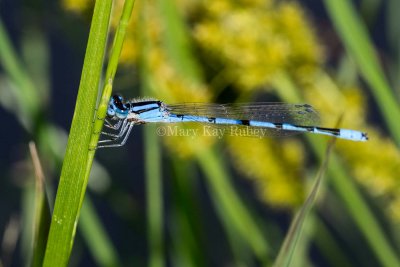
{"x": 110, "y": 125}
{"x": 121, "y": 138}
{"x": 121, "y": 128}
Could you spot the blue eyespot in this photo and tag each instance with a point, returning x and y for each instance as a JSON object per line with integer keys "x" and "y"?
{"x": 111, "y": 110}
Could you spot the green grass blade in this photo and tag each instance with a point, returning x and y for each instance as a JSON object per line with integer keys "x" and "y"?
{"x": 228, "y": 204}
{"x": 108, "y": 259}
{"x": 176, "y": 40}
{"x": 109, "y": 78}
{"x": 154, "y": 195}
{"x": 362, "y": 215}
{"x": 286, "y": 252}
{"x": 27, "y": 98}
{"x": 17, "y": 71}
{"x": 154, "y": 189}
{"x": 186, "y": 220}
{"x": 358, "y": 44}
{"x": 393, "y": 39}
{"x": 74, "y": 175}
{"x": 42, "y": 216}
{"x": 342, "y": 182}
{"x": 37, "y": 63}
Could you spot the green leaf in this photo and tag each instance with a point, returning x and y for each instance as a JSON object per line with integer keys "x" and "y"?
{"x": 286, "y": 252}
{"x": 154, "y": 193}
{"x": 25, "y": 95}
{"x": 229, "y": 206}
{"x": 355, "y": 38}
{"x": 42, "y": 216}
{"x": 74, "y": 174}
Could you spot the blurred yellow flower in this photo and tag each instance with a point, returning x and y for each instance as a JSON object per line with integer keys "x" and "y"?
{"x": 254, "y": 40}
{"x": 376, "y": 163}
{"x": 276, "y": 167}
{"x": 251, "y": 42}
{"x": 77, "y": 5}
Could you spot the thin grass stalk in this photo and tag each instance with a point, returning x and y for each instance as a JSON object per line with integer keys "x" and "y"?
{"x": 289, "y": 245}
{"x": 109, "y": 78}
{"x": 28, "y": 98}
{"x": 177, "y": 42}
{"x": 154, "y": 195}
{"x": 228, "y": 204}
{"x": 74, "y": 175}
{"x": 186, "y": 220}
{"x": 177, "y": 45}
{"x": 26, "y": 94}
{"x": 343, "y": 184}
{"x": 355, "y": 38}
{"x": 154, "y": 188}
{"x": 42, "y": 216}
{"x": 110, "y": 258}
{"x": 393, "y": 37}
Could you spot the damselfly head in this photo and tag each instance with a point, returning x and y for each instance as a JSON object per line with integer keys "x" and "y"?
{"x": 117, "y": 108}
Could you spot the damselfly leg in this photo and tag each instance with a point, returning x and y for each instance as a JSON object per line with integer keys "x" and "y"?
{"x": 120, "y": 138}
{"x": 120, "y": 128}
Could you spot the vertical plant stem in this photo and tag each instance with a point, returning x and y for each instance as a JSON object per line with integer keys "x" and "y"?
{"x": 42, "y": 216}
{"x": 177, "y": 45}
{"x": 25, "y": 92}
{"x": 73, "y": 181}
{"x": 289, "y": 245}
{"x": 109, "y": 78}
{"x": 154, "y": 195}
{"x": 152, "y": 153}
{"x": 186, "y": 219}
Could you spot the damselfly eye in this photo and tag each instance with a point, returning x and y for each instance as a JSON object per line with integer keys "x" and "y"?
{"x": 117, "y": 98}
{"x": 118, "y": 101}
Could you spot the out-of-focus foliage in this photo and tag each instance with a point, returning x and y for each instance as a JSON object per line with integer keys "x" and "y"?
{"x": 252, "y": 41}
{"x": 214, "y": 52}
{"x": 76, "y": 5}
{"x": 246, "y": 44}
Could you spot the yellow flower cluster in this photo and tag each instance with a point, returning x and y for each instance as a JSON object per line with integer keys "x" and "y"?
{"x": 171, "y": 87}
{"x": 276, "y": 167}
{"x": 254, "y": 40}
{"x": 376, "y": 163}
{"x": 76, "y": 5}
{"x": 251, "y": 42}
{"x": 377, "y": 166}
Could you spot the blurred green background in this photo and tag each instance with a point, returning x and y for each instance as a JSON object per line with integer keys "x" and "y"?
{"x": 201, "y": 201}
